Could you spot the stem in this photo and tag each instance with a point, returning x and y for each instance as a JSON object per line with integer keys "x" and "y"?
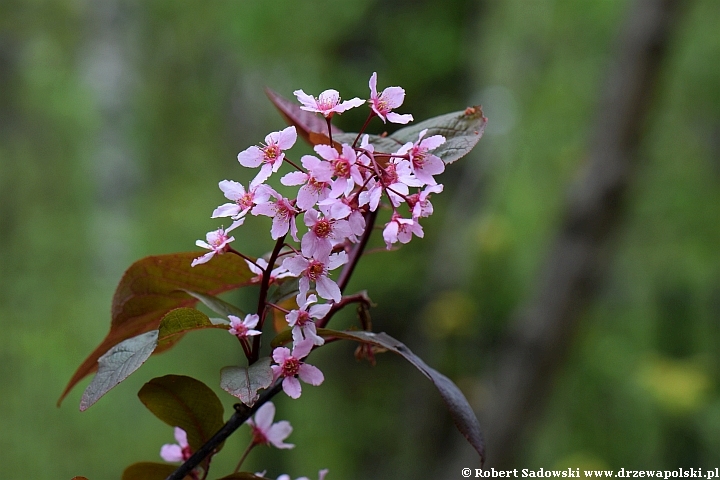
{"x": 255, "y": 353}
{"x": 357, "y": 251}
{"x": 244, "y": 456}
{"x": 327, "y": 119}
{"x": 361, "y": 297}
{"x": 293, "y": 164}
{"x": 242, "y": 413}
{"x": 245, "y": 257}
{"x": 367, "y": 121}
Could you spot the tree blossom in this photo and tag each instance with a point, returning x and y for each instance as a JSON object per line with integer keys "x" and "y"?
{"x": 270, "y": 155}
{"x": 323, "y": 232}
{"x": 243, "y": 200}
{"x": 265, "y": 432}
{"x": 383, "y": 104}
{"x": 321, "y": 476}
{"x": 419, "y": 203}
{"x": 423, "y": 163}
{"x": 258, "y": 269}
{"x": 401, "y": 230}
{"x": 303, "y": 327}
{"x": 317, "y": 270}
{"x": 283, "y": 214}
{"x": 327, "y": 103}
{"x": 290, "y": 367}
{"x": 343, "y": 168}
{"x": 316, "y": 182}
{"x": 244, "y": 328}
{"x": 217, "y": 242}
{"x": 177, "y": 452}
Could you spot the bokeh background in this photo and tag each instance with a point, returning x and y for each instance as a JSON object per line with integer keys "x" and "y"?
{"x": 118, "y": 118}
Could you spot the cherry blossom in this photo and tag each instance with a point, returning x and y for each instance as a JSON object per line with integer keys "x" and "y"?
{"x": 265, "y": 432}
{"x": 243, "y": 200}
{"x": 283, "y": 214}
{"x": 343, "y": 168}
{"x": 269, "y": 155}
{"x": 323, "y": 232}
{"x": 383, "y": 104}
{"x": 401, "y": 230}
{"x": 244, "y": 328}
{"x": 290, "y": 367}
{"x": 217, "y": 242}
{"x": 177, "y": 452}
{"x": 419, "y": 202}
{"x": 258, "y": 269}
{"x": 321, "y": 476}
{"x": 316, "y": 182}
{"x": 327, "y": 103}
{"x": 303, "y": 327}
{"x": 316, "y": 270}
{"x": 424, "y": 164}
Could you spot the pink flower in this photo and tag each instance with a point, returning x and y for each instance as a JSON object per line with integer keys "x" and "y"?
{"x": 217, "y": 242}
{"x": 327, "y": 103}
{"x": 317, "y": 270}
{"x": 243, "y": 200}
{"x": 283, "y": 214}
{"x": 171, "y": 452}
{"x": 424, "y": 164}
{"x": 322, "y": 234}
{"x": 276, "y": 274}
{"x": 383, "y": 104}
{"x": 316, "y": 182}
{"x": 343, "y": 168}
{"x": 321, "y": 476}
{"x": 303, "y": 327}
{"x": 401, "y": 230}
{"x": 270, "y": 155}
{"x": 244, "y": 328}
{"x": 265, "y": 432}
{"x": 290, "y": 367}
{"x": 419, "y": 202}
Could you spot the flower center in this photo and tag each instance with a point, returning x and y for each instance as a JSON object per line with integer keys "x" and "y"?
{"x": 322, "y": 228}
{"x": 315, "y": 270}
{"x": 246, "y": 201}
{"x": 271, "y": 152}
{"x": 390, "y": 175}
{"x": 290, "y": 367}
{"x": 302, "y": 318}
{"x": 342, "y": 168}
{"x": 258, "y": 436}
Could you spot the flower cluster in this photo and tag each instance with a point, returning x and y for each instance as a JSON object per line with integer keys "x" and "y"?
{"x": 338, "y": 189}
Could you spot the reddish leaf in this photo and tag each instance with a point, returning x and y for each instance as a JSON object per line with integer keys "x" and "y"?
{"x": 309, "y": 126}
{"x": 153, "y": 286}
{"x": 460, "y": 410}
{"x": 187, "y": 403}
{"x": 149, "y": 471}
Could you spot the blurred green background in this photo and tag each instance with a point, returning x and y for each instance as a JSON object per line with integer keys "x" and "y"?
{"x": 118, "y": 118}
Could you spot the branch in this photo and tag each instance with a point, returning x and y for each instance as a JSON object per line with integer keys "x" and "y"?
{"x": 242, "y": 413}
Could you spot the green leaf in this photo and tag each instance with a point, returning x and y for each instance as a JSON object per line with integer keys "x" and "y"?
{"x": 460, "y": 410}
{"x": 127, "y": 356}
{"x": 117, "y": 364}
{"x": 149, "y": 471}
{"x": 152, "y": 287}
{"x": 187, "y": 403}
{"x": 462, "y": 130}
{"x": 221, "y": 307}
{"x": 244, "y": 382}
